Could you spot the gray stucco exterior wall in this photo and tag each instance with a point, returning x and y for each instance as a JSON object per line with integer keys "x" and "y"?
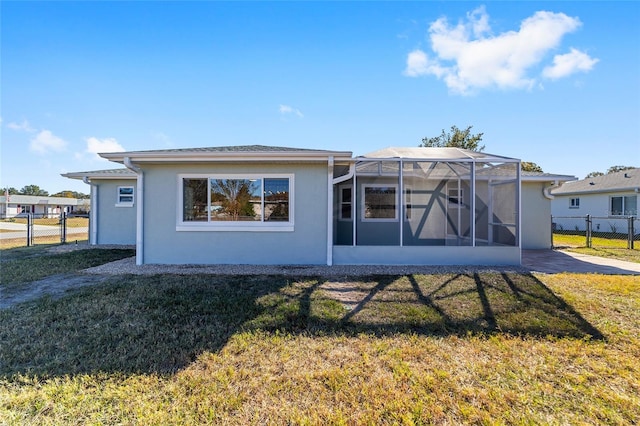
{"x": 116, "y": 225}
{"x": 536, "y": 217}
{"x": 306, "y": 244}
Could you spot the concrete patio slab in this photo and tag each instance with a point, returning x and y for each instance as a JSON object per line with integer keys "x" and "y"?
{"x": 556, "y": 261}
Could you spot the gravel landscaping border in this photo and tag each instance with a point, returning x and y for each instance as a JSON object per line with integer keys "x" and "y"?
{"x": 128, "y": 266}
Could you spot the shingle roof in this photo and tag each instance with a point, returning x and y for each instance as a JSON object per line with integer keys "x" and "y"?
{"x": 546, "y": 177}
{"x": 228, "y": 153}
{"x": 236, "y": 148}
{"x": 626, "y": 180}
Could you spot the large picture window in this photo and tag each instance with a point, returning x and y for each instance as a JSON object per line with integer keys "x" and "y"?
{"x": 624, "y": 206}
{"x": 380, "y": 202}
{"x": 232, "y": 202}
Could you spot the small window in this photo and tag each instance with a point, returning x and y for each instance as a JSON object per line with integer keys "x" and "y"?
{"x": 574, "y": 203}
{"x": 346, "y": 203}
{"x": 125, "y": 196}
{"x": 379, "y": 203}
{"x": 455, "y": 197}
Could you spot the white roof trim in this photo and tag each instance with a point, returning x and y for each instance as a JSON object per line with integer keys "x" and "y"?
{"x": 80, "y": 176}
{"x": 633, "y": 189}
{"x": 166, "y": 157}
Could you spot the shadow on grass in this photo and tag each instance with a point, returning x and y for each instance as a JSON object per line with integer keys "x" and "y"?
{"x": 160, "y": 324}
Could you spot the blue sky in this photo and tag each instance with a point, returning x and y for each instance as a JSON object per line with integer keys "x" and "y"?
{"x": 556, "y": 83}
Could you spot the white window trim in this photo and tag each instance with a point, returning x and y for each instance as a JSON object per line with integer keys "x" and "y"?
{"x": 362, "y": 203}
{"x": 624, "y": 205}
{"x": 340, "y": 202}
{"x": 574, "y": 205}
{"x": 258, "y": 226}
{"x": 127, "y": 203}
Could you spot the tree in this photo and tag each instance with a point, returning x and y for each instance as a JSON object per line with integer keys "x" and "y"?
{"x": 71, "y": 194}
{"x": 612, "y": 169}
{"x": 528, "y": 166}
{"x": 33, "y": 190}
{"x": 456, "y": 138}
{"x": 9, "y": 190}
{"x": 234, "y": 196}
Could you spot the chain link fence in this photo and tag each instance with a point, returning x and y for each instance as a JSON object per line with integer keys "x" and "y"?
{"x": 596, "y": 232}
{"x": 27, "y": 230}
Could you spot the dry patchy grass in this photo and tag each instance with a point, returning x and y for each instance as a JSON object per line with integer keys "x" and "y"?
{"x": 423, "y": 349}
{"x": 72, "y": 222}
{"x": 12, "y": 243}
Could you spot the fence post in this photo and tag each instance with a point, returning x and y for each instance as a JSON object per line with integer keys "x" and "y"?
{"x": 630, "y": 233}
{"x": 588, "y": 230}
{"x": 29, "y": 229}
{"x": 63, "y": 228}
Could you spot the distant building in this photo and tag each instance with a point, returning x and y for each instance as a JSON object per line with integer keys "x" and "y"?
{"x": 39, "y": 206}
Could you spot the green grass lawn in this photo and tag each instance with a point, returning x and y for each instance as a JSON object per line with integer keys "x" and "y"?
{"x": 415, "y": 349}
{"x": 617, "y": 253}
{"x": 604, "y": 247}
{"x": 27, "y": 264}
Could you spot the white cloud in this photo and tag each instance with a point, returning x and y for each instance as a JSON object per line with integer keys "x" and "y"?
{"x": 417, "y": 64}
{"x": 45, "y": 141}
{"x": 288, "y": 110}
{"x": 468, "y": 57}
{"x": 24, "y": 126}
{"x": 96, "y": 146}
{"x": 162, "y": 137}
{"x": 569, "y": 63}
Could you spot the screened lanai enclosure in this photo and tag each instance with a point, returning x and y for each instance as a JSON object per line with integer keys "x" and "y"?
{"x": 428, "y": 206}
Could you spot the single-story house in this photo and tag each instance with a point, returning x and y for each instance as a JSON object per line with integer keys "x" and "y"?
{"x": 272, "y": 205}
{"x": 12, "y": 205}
{"x": 609, "y": 199}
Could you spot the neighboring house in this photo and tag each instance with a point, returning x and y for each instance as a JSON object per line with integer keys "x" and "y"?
{"x": 608, "y": 199}
{"x": 113, "y": 200}
{"x": 272, "y": 205}
{"x": 39, "y": 206}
